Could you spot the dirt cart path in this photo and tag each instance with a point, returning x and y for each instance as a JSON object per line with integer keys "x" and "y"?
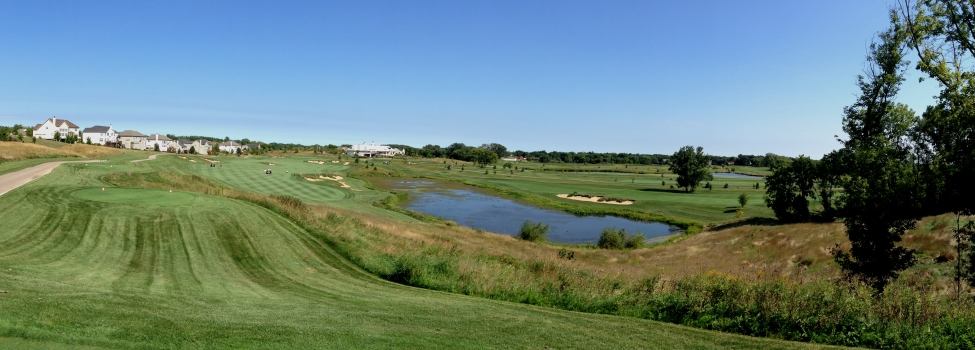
{"x": 10, "y": 181}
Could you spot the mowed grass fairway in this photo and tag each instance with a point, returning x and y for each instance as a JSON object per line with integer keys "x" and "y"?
{"x": 145, "y": 269}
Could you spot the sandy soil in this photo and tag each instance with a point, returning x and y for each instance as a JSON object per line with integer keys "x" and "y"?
{"x": 338, "y": 179}
{"x": 594, "y": 199}
{"x": 317, "y": 162}
{"x": 346, "y": 163}
{"x": 335, "y": 161}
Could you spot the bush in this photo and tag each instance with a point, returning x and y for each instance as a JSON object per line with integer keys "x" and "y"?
{"x": 533, "y": 232}
{"x": 610, "y": 238}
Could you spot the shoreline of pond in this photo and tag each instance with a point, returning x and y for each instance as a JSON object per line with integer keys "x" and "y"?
{"x": 678, "y": 227}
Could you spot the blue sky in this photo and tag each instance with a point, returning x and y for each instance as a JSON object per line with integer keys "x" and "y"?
{"x": 607, "y": 76}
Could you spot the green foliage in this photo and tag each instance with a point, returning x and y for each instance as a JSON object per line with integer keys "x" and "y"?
{"x": 483, "y": 156}
{"x": 155, "y": 146}
{"x": 610, "y": 238}
{"x": 533, "y": 232}
{"x": 57, "y": 136}
{"x": 788, "y": 189}
{"x": 566, "y": 254}
{"x": 880, "y": 196}
{"x": 192, "y": 149}
{"x": 691, "y": 167}
{"x": 742, "y": 199}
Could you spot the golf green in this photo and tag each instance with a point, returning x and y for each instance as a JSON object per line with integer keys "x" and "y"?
{"x": 134, "y": 196}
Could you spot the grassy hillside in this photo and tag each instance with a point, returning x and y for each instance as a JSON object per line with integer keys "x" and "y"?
{"x": 17, "y": 155}
{"x": 143, "y": 268}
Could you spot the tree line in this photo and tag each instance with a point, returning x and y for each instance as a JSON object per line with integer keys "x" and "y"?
{"x": 895, "y": 166}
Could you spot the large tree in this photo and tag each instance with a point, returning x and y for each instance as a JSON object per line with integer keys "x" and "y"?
{"x": 788, "y": 189}
{"x": 691, "y": 167}
{"x": 497, "y": 148}
{"x": 879, "y": 195}
{"x": 483, "y": 156}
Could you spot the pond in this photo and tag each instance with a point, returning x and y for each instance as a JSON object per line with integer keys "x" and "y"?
{"x": 468, "y": 207}
{"x": 737, "y": 176}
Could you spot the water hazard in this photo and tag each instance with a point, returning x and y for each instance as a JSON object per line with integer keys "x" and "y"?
{"x": 736, "y": 176}
{"x": 490, "y": 213}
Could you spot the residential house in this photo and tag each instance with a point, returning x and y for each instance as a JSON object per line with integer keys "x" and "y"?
{"x": 47, "y": 129}
{"x": 372, "y": 150}
{"x": 202, "y": 146}
{"x": 513, "y": 159}
{"x": 183, "y": 145}
{"x": 161, "y": 140}
{"x": 251, "y": 146}
{"x": 100, "y": 135}
{"x": 132, "y": 139}
{"x": 230, "y": 147}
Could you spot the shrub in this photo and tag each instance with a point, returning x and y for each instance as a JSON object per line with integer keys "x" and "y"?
{"x": 533, "y": 232}
{"x": 610, "y": 238}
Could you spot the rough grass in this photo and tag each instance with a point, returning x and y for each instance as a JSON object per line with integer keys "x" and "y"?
{"x": 11, "y": 151}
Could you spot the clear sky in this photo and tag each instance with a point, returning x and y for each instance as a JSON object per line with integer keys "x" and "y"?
{"x": 607, "y": 76}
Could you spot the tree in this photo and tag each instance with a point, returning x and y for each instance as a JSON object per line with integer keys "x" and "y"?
{"x": 20, "y": 137}
{"x": 483, "y": 156}
{"x": 89, "y": 140}
{"x": 742, "y": 199}
{"x": 691, "y": 167}
{"x": 788, "y": 189}
{"x": 879, "y": 195}
{"x": 192, "y": 149}
{"x": 57, "y": 136}
{"x": 155, "y": 146}
{"x": 497, "y": 148}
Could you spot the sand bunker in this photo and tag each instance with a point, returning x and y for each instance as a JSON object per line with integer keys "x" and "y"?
{"x": 210, "y": 160}
{"x": 317, "y": 162}
{"x": 271, "y": 164}
{"x": 346, "y": 163}
{"x": 335, "y": 161}
{"x": 182, "y": 157}
{"x": 336, "y": 178}
{"x": 594, "y": 199}
{"x": 192, "y": 160}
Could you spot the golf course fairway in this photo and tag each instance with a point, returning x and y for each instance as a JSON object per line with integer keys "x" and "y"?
{"x": 145, "y": 269}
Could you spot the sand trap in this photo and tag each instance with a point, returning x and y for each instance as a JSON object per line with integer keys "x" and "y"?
{"x": 337, "y": 179}
{"x": 210, "y": 160}
{"x": 335, "y": 161}
{"x": 346, "y": 163}
{"x": 594, "y": 199}
{"x": 317, "y": 162}
{"x": 182, "y": 157}
{"x": 193, "y": 161}
{"x": 271, "y": 164}
{"x": 313, "y": 180}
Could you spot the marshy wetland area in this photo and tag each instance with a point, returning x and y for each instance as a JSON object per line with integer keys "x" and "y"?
{"x": 174, "y": 253}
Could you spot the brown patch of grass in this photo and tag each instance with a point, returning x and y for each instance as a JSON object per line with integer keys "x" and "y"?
{"x": 10, "y": 151}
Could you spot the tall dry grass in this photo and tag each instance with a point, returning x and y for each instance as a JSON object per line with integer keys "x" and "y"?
{"x": 10, "y": 151}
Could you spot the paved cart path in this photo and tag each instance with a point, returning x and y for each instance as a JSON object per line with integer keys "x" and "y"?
{"x": 150, "y": 158}
{"x": 10, "y": 181}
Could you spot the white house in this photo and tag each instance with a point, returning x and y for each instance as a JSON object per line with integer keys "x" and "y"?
{"x": 202, "y": 146}
{"x": 372, "y": 150}
{"x": 161, "y": 140}
{"x": 132, "y": 139}
{"x": 46, "y": 129}
{"x": 100, "y": 135}
{"x": 230, "y": 147}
